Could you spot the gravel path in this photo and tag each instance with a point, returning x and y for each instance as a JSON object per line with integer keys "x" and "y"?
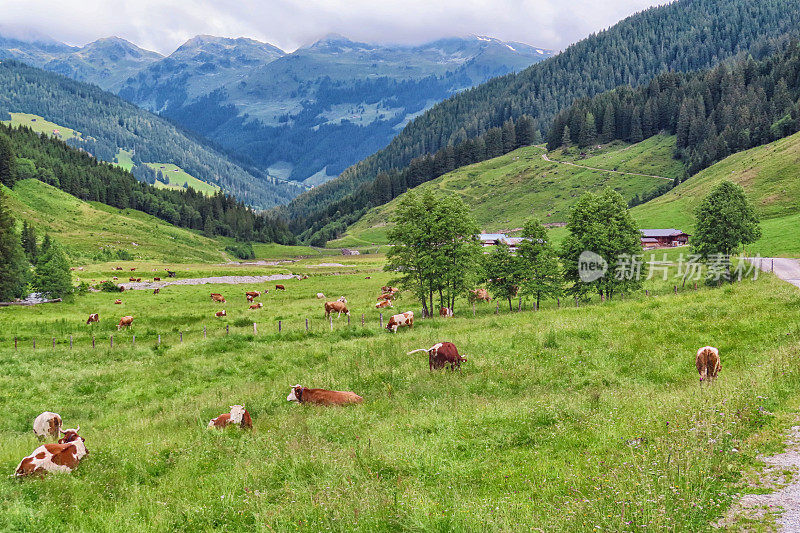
{"x": 544, "y": 156}
{"x": 232, "y": 280}
{"x": 786, "y": 269}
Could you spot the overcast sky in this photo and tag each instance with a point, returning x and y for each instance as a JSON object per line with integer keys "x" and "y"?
{"x": 163, "y": 25}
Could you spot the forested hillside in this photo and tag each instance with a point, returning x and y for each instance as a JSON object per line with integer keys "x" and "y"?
{"x": 683, "y": 36}
{"x": 81, "y": 175}
{"x": 110, "y": 124}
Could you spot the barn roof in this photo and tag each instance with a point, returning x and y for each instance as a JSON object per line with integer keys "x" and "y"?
{"x": 492, "y": 236}
{"x": 649, "y": 240}
{"x": 671, "y": 232}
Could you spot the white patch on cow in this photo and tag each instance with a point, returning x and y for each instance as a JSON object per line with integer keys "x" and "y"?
{"x": 211, "y": 423}
{"x": 41, "y": 425}
{"x": 237, "y": 412}
{"x": 292, "y": 397}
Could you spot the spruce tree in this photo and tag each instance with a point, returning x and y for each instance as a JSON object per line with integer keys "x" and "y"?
{"x": 8, "y": 167}
{"x": 52, "y": 275}
{"x": 13, "y": 266}
{"x": 28, "y": 238}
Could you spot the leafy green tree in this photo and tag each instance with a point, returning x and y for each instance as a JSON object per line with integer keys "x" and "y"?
{"x": 725, "y": 220}
{"x": 52, "y": 276}
{"x": 8, "y": 164}
{"x": 541, "y": 270}
{"x": 601, "y": 223}
{"x": 504, "y": 273}
{"x": 13, "y": 266}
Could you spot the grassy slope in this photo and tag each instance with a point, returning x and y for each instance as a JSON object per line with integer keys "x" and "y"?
{"x": 86, "y": 228}
{"x": 505, "y": 191}
{"x": 769, "y": 175}
{"x": 569, "y": 419}
{"x": 175, "y": 180}
{"x": 40, "y": 125}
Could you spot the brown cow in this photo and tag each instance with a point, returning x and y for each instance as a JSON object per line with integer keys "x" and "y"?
{"x": 117, "y": 301}
{"x": 131, "y": 279}
{"x": 445, "y": 312}
{"x": 220, "y": 313}
{"x": 138, "y": 280}
{"x": 386, "y": 289}
{"x": 442, "y": 354}
{"x": 302, "y": 394}
{"x": 336, "y": 307}
{"x": 156, "y": 290}
{"x": 401, "y": 320}
{"x": 133, "y": 269}
{"x": 481, "y": 295}
{"x": 61, "y": 457}
{"x": 387, "y": 296}
{"x": 125, "y": 322}
{"x": 259, "y": 305}
{"x": 94, "y": 317}
{"x": 46, "y": 425}
{"x": 384, "y": 304}
{"x": 251, "y": 295}
{"x": 708, "y": 363}
{"x": 238, "y": 416}
{"x": 217, "y": 297}
{"x": 156, "y": 279}
{"x": 280, "y": 288}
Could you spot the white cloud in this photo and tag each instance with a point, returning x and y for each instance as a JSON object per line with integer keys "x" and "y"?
{"x": 164, "y": 25}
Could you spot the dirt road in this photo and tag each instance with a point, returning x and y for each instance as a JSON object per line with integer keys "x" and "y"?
{"x": 786, "y": 269}
{"x": 544, "y": 156}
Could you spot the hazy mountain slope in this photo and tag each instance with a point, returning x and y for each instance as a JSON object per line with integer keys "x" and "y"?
{"x": 309, "y": 114}
{"x": 684, "y": 35}
{"x": 111, "y": 124}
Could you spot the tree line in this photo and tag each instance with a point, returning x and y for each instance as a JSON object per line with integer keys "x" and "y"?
{"x": 25, "y": 154}
{"x": 713, "y": 113}
{"x": 436, "y": 254}
{"x": 682, "y": 36}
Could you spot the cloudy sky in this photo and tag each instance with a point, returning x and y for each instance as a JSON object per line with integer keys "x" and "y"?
{"x": 164, "y": 25}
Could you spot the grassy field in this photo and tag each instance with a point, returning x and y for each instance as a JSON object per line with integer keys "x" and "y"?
{"x": 505, "y": 191}
{"x": 124, "y": 159}
{"x": 175, "y": 178}
{"x": 571, "y": 419}
{"x": 40, "y": 125}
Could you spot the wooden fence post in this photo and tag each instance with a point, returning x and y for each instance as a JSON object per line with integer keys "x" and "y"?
{"x": 602, "y": 297}
{"x": 362, "y": 320}
{"x": 181, "y": 336}
{"x": 497, "y": 309}
{"x": 330, "y": 319}
{"x": 519, "y": 306}
{"x": 54, "y": 343}
{"x": 227, "y": 329}
{"x": 646, "y": 292}
{"x": 255, "y": 329}
{"x": 15, "y": 344}
{"x": 306, "y": 325}
{"x": 34, "y": 344}
{"x": 279, "y": 326}
{"x": 112, "y": 341}
{"x": 70, "y": 342}
{"x": 133, "y": 340}
{"x": 204, "y": 332}
{"x": 558, "y": 303}
{"x": 675, "y": 289}
{"x": 695, "y": 285}
{"x": 473, "y": 309}
{"x": 772, "y": 265}
{"x": 381, "y": 316}
{"x": 159, "y": 339}
{"x": 93, "y": 341}
{"x": 348, "y": 320}
{"x": 576, "y": 301}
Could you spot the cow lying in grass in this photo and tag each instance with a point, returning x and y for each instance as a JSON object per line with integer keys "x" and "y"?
{"x": 708, "y": 363}
{"x": 217, "y": 297}
{"x": 259, "y": 305}
{"x": 238, "y": 415}
{"x": 441, "y": 355}
{"x": 61, "y": 457}
{"x": 302, "y": 394}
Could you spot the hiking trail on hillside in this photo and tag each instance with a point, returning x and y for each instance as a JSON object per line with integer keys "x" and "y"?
{"x": 544, "y": 156}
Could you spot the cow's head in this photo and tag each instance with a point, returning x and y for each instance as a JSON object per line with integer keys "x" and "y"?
{"x": 237, "y": 412}
{"x": 296, "y": 395}
{"x": 342, "y": 299}
{"x": 70, "y": 435}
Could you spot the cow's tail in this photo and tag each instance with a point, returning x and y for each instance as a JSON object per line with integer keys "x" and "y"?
{"x": 415, "y": 351}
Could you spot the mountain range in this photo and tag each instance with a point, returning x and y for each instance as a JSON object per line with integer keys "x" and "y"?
{"x": 302, "y": 116}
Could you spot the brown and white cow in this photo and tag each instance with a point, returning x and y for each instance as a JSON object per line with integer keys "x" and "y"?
{"x": 251, "y": 295}
{"x": 220, "y": 313}
{"x": 63, "y": 456}
{"x": 481, "y": 295}
{"x": 94, "y": 317}
{"x": 708, "y": 363}
{"x": 401, "y": 320}
{"x": 133, "y": 269}
{"x": 384, "y": 304}
{"x": 320, "y": 295}
{"x": 386, "y": 296}
{"x": 156, "y": 290}
{"x": 342, "y": 299}
{"x": 280, "y": 288}
{"x": 156, "y": 279}
{"x": 386, "y": 289}
{"x": 336, "y": 307}
{"x": 445, "y": 312}
{"x": 259, "y": 305}
{"x": 125, "y": 322}
{"x": 442, "y": 354}
{"x": 117, "y": 302}
{"x": 217, "y": 297}
{"x": 302, "y": 394}
{"x": 46, "y": 425}
{"x": 238, "y": 416}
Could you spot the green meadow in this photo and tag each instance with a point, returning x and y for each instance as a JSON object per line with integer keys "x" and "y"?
{"x": 175, "y": 178}
{"x": 568, "y": 418}
{"x": 41, "y": 125}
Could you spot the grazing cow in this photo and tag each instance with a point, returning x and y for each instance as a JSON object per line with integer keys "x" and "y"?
{"x": 131, "y": 279}
{"x": 258, "y": 305}
{"x": 156, "y": 279}
{"x": 156, "y": 290}
{"x": 481, "y": 295}
{"x": 170, "y": 274}
{"x": 115, "y": 278}
{"x": 46, "y": 425}
{"x": 336, "y": 307}
{"x": 251, "y": 295}
{"x": 117, "y": 268}
{"x": 305, "y": 276}
{"x": 384, "y": 304}
{"x": 401, "y": 320}
{"x": 133, "y": 269}
{"x": 708, "y": 363}
{"x": 442, "y": 354}
{"x": 94, "y": 317}
{"x": 342, "y": 299}
{"x": 320, "y": 295}
{"x": 61, "y": 457}
{"x": 117, "y": 302}
{"x": 445, "y": 312}
{"x": 301, "y": 394}
{"x": 368, "y": 277}
{"x": 237, "y": 416}
{"x": 220, "y": 313}
{"x": 125, "y": 322}
{"x": 138, "y": 280}
{"x": 280, "y": 288}
{"x": 217, "y": 297}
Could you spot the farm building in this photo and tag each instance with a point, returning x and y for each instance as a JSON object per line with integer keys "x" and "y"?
{"x": 663, "y": 238}
{"x": 493, "y": 239}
